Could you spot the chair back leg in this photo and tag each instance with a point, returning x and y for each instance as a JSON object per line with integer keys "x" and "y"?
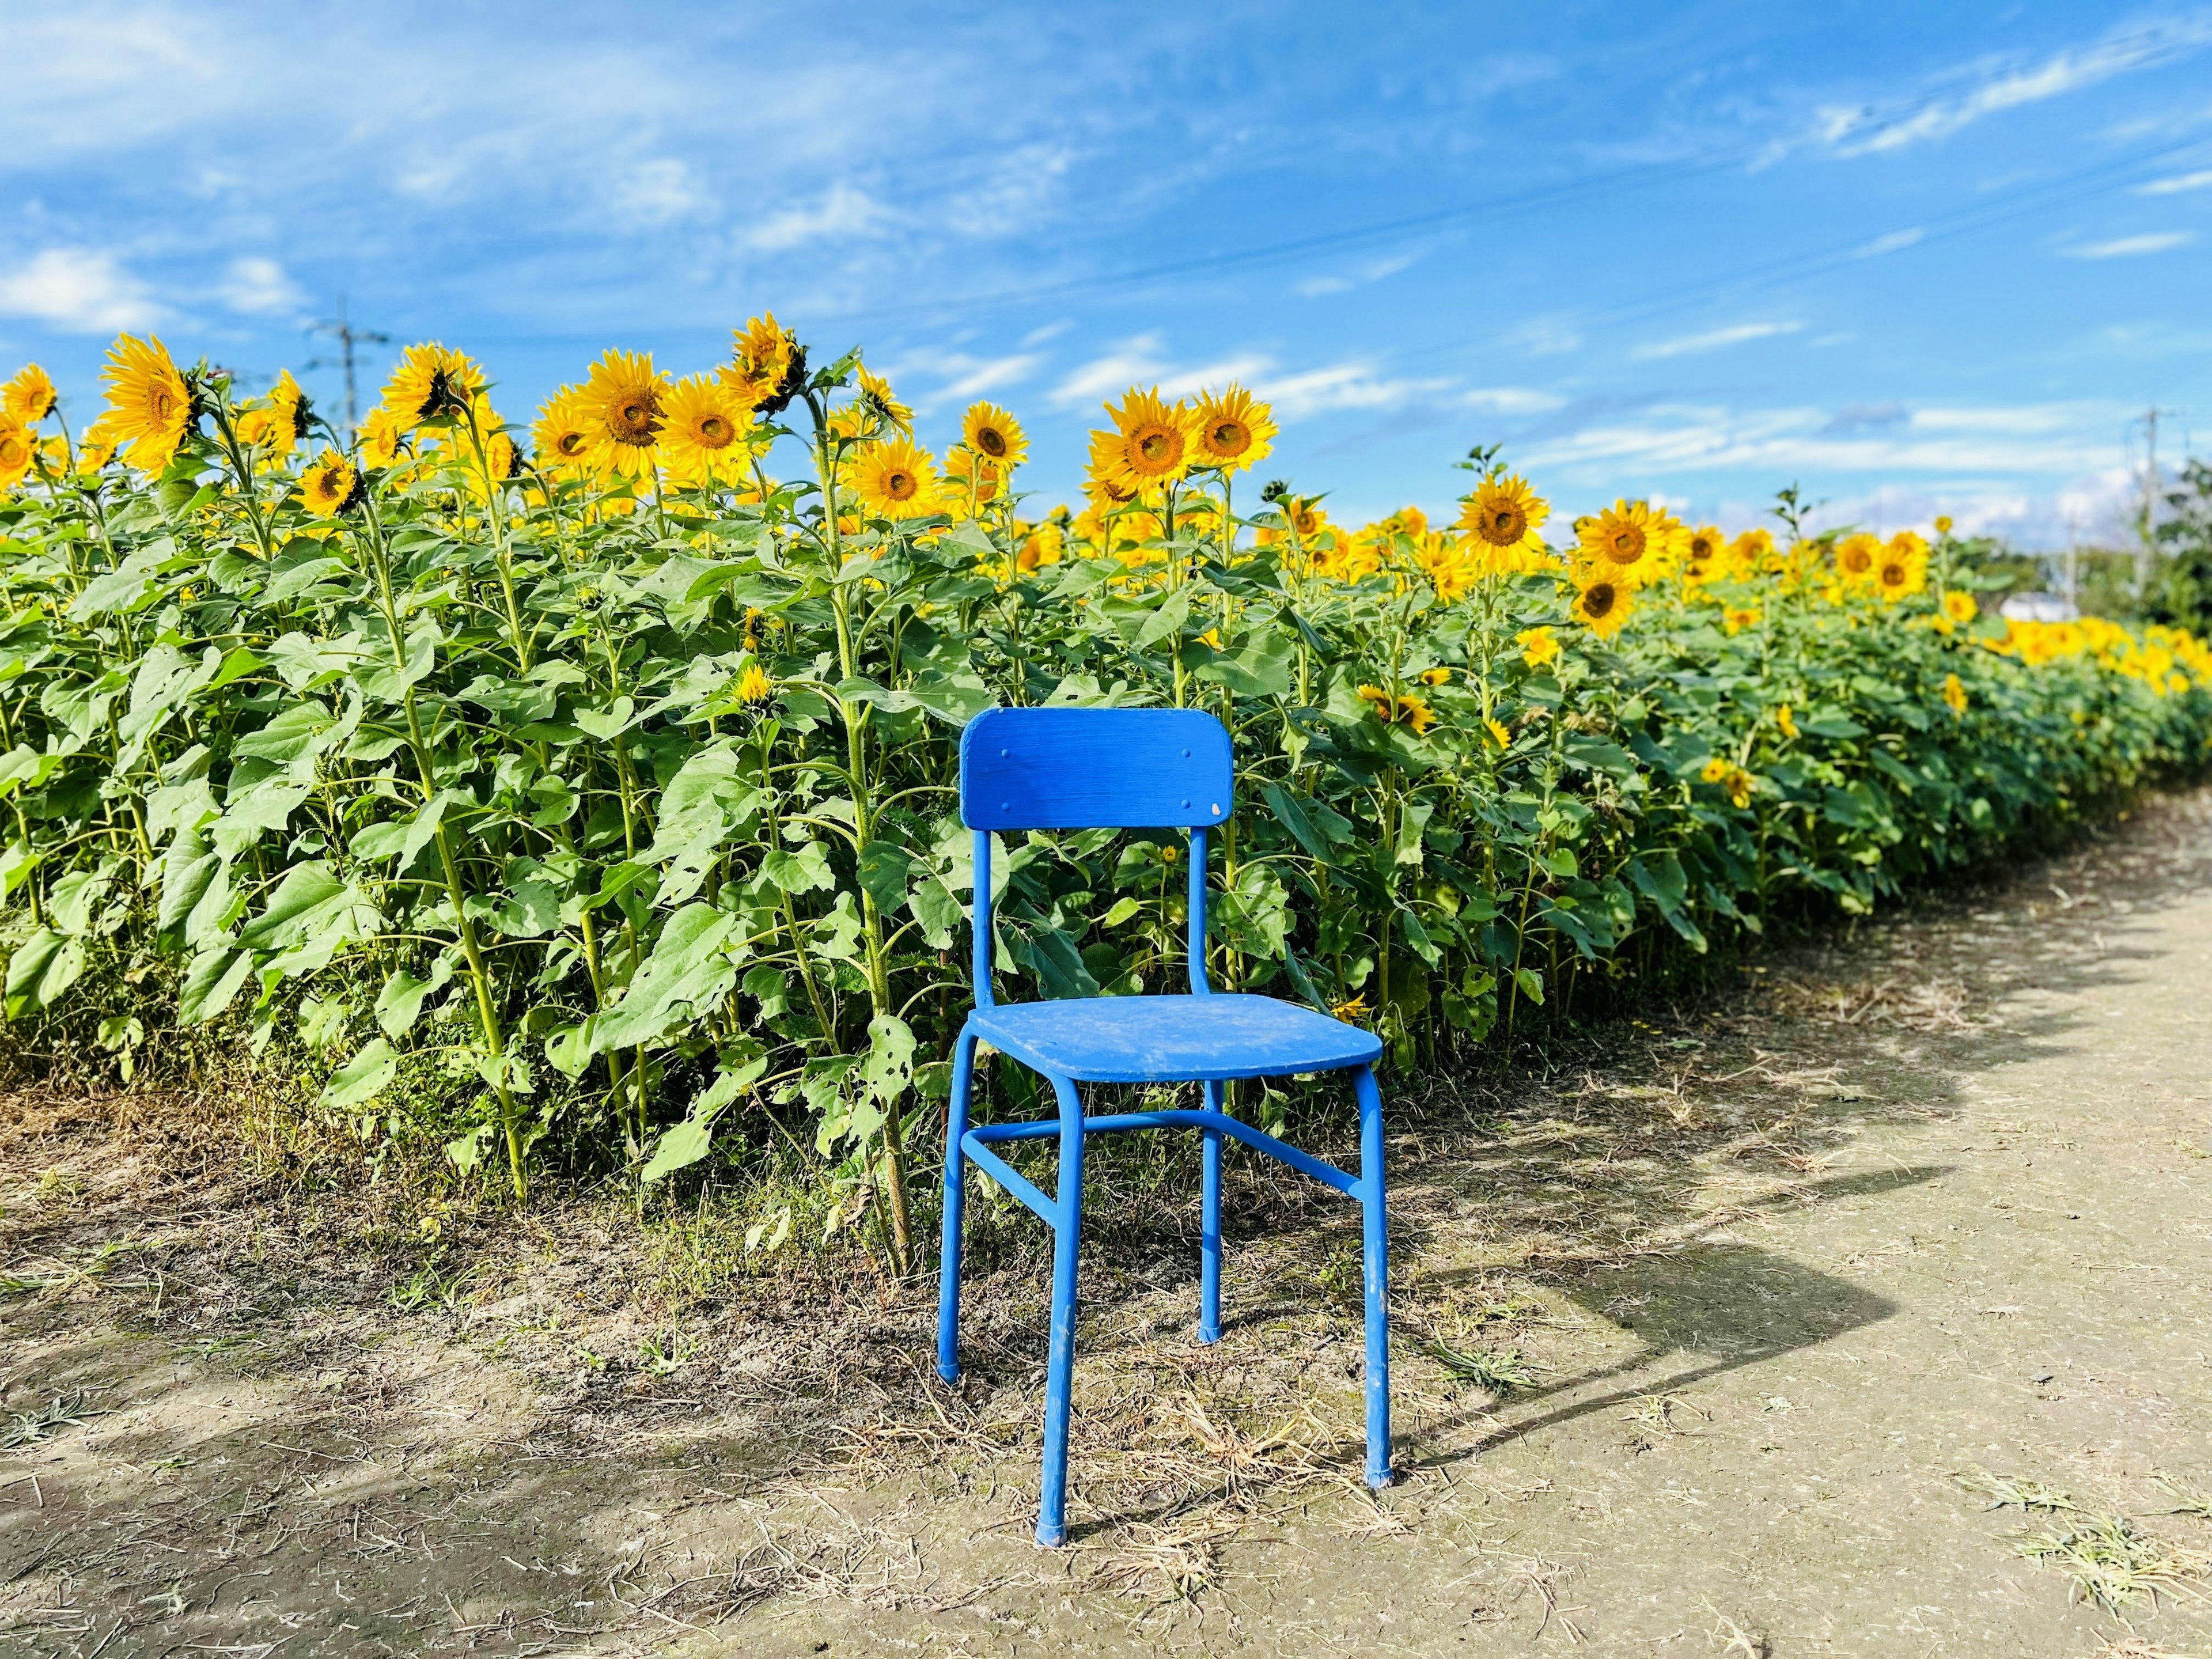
{"x": 1060, "y": 1362}
{"x": 1209, "y": 1226}
{"x": 1376, "y": 1228}
{"x": 956, "y": 1196}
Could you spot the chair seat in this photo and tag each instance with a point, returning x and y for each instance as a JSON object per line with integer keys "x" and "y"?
{"x": 1173, "y": 1039}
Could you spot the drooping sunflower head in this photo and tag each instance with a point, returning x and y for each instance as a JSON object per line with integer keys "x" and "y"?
{"x": 703, "y": 434}
{"x": 1152, "y": 439}
{"x": 150, "y": 405}
{"x": 753, "y": 684}
{"x": 293, "y": 408}
{"x": 29, "y": 398}
{"x": 995, "y": 435}
{"x": 1103, "y": 478}
{"x": 1629, "y": 544}
{"x": 1601, "y": 604}
{"x": 17, "y": 451}
{"x": 1503, "y": 514}
{"x": 621, "y": 401}
{"x": 1856, "y": 556}
{"x": 431, "y": 384}
{"x": 881, "y": 405}
{"x": 329, "y": 485}
{"x": 1404, "y": 709}
{"x": 764, "y": 357}
{"x": 896, "y": 478}
{"x": 1232, "y": 429}
{"x": 379, "y": 439}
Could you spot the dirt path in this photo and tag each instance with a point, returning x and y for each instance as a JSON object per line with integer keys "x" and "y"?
{"x": 1826, "y": 1305}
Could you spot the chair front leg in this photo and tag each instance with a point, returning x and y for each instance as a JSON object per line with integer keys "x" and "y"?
{"x": 1060, "y": 1362}
{"x": 1377, "y": 1239}
{"x": 1209, "y": 1225}
{"x": 956, "y": 1197}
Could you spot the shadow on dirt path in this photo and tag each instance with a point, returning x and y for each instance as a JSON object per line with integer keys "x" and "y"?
{"x": 1724, "y": 1334}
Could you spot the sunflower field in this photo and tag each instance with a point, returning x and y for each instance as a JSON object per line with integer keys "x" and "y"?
{"x": 594, "y": 782}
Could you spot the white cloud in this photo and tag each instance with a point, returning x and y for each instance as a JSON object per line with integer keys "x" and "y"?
{"x": 843, "y": 210}
{"x": 1138, "y": 362}
{"x": 1895, "y": 240}
{"x": 1545, "y": 336}
{"x": 77, "y": 290}
{"x": 1342, "y": 386}
{"x": 2177, "y": 184}
{"x": 2127, "y": 247}
{"x": 1865, "y": 130}
{"x": 960, "y": 376}
{"x": 259, "y": 288}
{"x": 1512, "y": 400}
{"x": 1712, "y": 340}
{"x": 1374, "y": 271}
{"x": 654, "y": 193}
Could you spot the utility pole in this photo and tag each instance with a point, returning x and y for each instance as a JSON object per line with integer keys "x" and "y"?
{"x": 349, "y": 338}
{"x": 2147, "y": 515}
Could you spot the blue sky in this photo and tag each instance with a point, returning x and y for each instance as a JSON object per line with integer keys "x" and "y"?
{"x": 1917, "y": 258}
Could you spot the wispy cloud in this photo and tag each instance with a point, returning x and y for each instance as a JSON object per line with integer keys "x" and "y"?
{"x": 959, "y": 375}
{"x": 80, "y": 290}
{"x": 842, "y": 210}
{"x": 1867, "y": 130}
{"x": 1712, "y": 340}
{"x": 1374, "y": 271}
{"x": 1140, "y": 361}
{"x": 1893, "y": 242}
{"x": 2128, "y": 247}
{"x": 2175, "y": 184}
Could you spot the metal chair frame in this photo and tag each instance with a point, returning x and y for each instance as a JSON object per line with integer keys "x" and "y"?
{"x": 1061, "y": 768}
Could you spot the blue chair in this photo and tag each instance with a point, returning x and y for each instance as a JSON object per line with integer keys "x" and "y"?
{"x": 1080, "y": 769}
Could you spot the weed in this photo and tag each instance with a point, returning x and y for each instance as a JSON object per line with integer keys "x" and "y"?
{"x": 1498, "y": 1370}
{"x": 2111, "y": 1564}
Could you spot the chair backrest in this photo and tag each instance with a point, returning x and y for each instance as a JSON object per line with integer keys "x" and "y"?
{"x": 1089, "y": 768}
{"x": 1094, "y": 768}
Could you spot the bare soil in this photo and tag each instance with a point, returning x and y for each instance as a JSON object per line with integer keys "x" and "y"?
{"x": 1860, "y": 1311}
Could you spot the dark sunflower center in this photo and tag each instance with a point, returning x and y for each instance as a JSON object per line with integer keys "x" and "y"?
{"x": 163, "y": 402}
{"x": 991, "y": 441}
{"x": 634, "y": 419}
{"x": 1857, "y": 561}
{"x": 12, "y": 450}
{"x": 1597, "y": 602}
{"x": 900, "y": 485}
{"x": 1505, "y": 524}
{"x": 1158, "y": 446}
{"x": 1230, "y": 438}
{"x": 1893, "y": 575}
{"x": 1625, "y": 545}
{"x": 715, "y": 433}
{"x": 570, "y": 445}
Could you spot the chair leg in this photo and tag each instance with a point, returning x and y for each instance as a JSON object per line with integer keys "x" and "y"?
{"x": 1376, "y": 1228}
{"x": 956, "y": 1198}
{"x": 1059, "y": 1363}
{"x": 1209, "y": 1226}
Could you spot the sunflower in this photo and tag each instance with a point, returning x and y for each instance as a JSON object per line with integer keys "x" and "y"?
{"x": 1737, "y": 618}
{"x": 994, "y": 435}
{"x": 1042, "y": 544}
{"x": 896, "y": 479}
{"x": 329, "y": 485}
{"x": 1503, "y": 514}
{"x": 1857, "y": 557}
{"x": 1151, "y": 442}
{"x": 1748, "y": 554}
{"x": 1902, "y": 569}
{"x": 620, "y": 401}
{"x": 17, "y": 451}
{"x": 1404, "y": 709}
{"x": 1959, "y": 608}
{"x": 29, "y": 398}
{"x": 150, "y": 406}
{"x": 1233, "y": 430}
{"x": 1785, "y": 722}
{"x": 563, "y": 434}
{"x": 379, "y": 439}
{"x": 1628, "y": 544}
{"x": 1498, "y": 734}
{"x": 703, "y": 434}
{"x": 293, "y": 409}
{"x": 93, "y": 454}
{"x": 430, "y": 384}
{"x": 1539, "y": 646}
{"x": 762, "y": 359}
{"x": 971, "y": 476}
{"x": 1954, "y": 694}
{"x": 1102, "y": 478}
{"x": 754, "y": 684}
{"x": 1601, "y": 604}
{"x": 876, "y": 397}
{"x": 1704, "y": 555}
